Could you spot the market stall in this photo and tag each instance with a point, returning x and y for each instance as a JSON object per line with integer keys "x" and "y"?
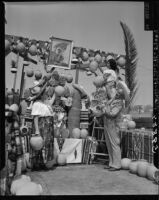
{"x": 55, "y": 129}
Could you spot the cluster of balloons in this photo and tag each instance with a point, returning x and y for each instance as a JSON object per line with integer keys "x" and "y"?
{"x": 91, "y": 61}
{"x": 22, "y": 46}
{"x": 30, "y": 73}
{"x": 42, "y": 48}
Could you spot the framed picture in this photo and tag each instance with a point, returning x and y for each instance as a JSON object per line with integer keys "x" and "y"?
{"x": 60, "y": 53}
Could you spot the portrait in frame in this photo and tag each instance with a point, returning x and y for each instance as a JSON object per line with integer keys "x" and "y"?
{"x": 60, "y": 53}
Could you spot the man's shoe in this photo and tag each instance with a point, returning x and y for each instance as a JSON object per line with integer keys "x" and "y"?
{"x": 112, "y": 169}
{"x": 107, "y": 167}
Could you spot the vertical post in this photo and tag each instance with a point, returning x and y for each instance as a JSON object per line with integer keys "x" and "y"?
{"x": 22, "y": 82}
{"x": 15, "y": 77}
{"x": 22, "y": 78}
{"x": 77, "y": 72}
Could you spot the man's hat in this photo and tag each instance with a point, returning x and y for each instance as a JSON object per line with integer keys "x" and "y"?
{"x": 35, "y": 89}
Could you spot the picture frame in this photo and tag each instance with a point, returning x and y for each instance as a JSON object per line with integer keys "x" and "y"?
{"x": 60, "y": 54}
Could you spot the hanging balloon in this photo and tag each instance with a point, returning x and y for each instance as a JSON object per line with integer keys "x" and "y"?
{"x": 59, "y": 90}
{"x": 38, "y": 75}
{"x": 64, "y": 133}
{"x": 84, "y": 133}
{"x": 33, "y": 50}
{"x": 69, "y": 78}
{"x": 7, "y": 45}
{"x": 30, "y": 73}
{"x": 48, "y": 76}
{"x": 76, "y": 132}
{"x": 131, "y": 124}
{"x": 98, "y": 81}
{"x": 85, "y": 56}
{"x": 98, "y": 58}
{"x": 93, "y": 66}
{"x": 91, "y": 59}
{"x": 36, "y": 142}
{"x": 20, "y": 47}
{"x": 121, "y": 61}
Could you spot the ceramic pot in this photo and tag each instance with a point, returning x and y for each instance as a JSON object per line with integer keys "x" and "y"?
{"x": 142, "y": 168}
{"x": 125, "y": 162}
{"x": 150, "y": 171}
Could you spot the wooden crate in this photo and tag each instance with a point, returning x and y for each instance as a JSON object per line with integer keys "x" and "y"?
{"x": 137, "y": 144}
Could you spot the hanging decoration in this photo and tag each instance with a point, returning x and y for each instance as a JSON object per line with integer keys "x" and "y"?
{"x": 89, "y": 59}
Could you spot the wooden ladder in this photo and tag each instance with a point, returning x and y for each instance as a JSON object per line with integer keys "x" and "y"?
{"x": 99, "y": 135}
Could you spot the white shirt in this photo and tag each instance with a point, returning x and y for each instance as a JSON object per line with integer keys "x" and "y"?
{"x": 112, "y": 77}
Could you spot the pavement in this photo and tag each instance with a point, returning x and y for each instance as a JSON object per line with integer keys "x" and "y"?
{"x": 76, "y": 179}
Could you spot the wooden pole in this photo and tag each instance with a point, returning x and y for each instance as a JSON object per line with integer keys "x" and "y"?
{"x": 21, "y": 82}
{"x": 15, "y": 77}
{"x": 77, "y": 73}
{"x": 22, "y": 79}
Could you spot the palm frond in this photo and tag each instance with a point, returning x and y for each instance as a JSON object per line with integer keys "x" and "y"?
{"x": 131, "y": 63}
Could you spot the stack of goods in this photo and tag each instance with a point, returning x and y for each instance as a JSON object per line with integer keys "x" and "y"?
{"x": 26, "y": 129}
{"x": 84, "y": 119}
{"x": 3, "y": 182}
{"x": 62, "y": 126}
{"x": 137, "y": 144}
{"x": 42, "y": 146}
{"x": 16, "y": 160}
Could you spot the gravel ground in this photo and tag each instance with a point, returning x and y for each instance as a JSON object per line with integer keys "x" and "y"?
{"x": 92, "y": 180}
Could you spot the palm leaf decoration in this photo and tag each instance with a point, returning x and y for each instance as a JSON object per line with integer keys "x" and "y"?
{"x": 131, "y": 64}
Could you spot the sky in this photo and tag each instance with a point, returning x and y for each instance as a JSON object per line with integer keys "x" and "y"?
{"x": 93, "y": 25}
